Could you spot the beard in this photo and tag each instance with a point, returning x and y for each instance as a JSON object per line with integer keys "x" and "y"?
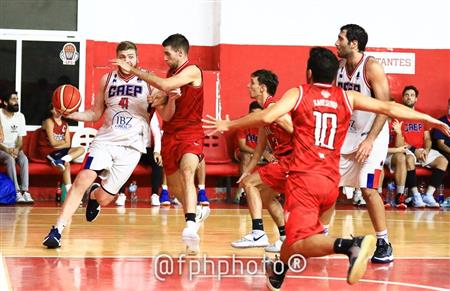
{"x": 12, "y": 107}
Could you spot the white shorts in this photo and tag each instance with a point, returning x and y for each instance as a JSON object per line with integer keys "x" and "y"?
{"x": 432, "y": 155}
{"x": 117, "y": 163}
{"x": 366, "y": 174}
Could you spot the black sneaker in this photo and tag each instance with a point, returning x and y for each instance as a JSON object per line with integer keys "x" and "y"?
{"x": 383, "y": 253}
{"x": 359, "y": 253}
{"x": 92, "y": 206}
{"x": 275, "y": 273}
{"x": 53, "y": 239}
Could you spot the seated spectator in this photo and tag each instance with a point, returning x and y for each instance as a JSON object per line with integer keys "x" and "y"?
{"x": 13, "y": 129}
{"x": 396, "y": 162}
{"x": 54, "y": 145}
{"x": 246, "y": 141}
{"x": 443, "y": 141}
{"x": 420, "y": 153}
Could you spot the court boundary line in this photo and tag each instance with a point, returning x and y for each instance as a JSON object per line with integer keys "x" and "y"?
{"x": 5, "y": 281}
{"x": 218, "y": 257}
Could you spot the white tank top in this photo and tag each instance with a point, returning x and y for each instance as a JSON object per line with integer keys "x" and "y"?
{"x": 126, "y": 118}
{"x": 361, "y": 121}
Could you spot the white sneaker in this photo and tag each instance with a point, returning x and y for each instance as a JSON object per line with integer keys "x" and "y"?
{"x": 358, "y": 199}
{"x": 192, "y": 241}
{"x": 275, "y": 247}
{"x": 175, "y": 201}
{"x": 27, "y": 197}
{"x": 20, "y": 198}
{"x": 418, "y": 202}
{"x": 202, "y": 214}
{"x": 251, "y": 241}
{"x": 121, "y": 198}
{"x": 155, "y": 200}
{"x": 429, "y": 201}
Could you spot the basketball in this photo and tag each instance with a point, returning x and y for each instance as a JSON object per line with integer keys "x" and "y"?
{"x": 66, "y": 99}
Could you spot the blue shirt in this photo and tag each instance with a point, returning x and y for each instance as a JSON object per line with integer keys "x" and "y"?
{"x": 437, "y": 134}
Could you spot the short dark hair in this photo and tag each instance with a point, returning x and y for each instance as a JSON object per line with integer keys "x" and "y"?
{"x": 410, "y": 87}
{"x": 254, "y": 105}
{"x": 356, "y": 32}
{"x": 8, "y": 95}
{"x": 323, "y": 64}
{"x": 267, "y": 78}
{"x": 177, "y": 41}
{"x": 126, "y": 45}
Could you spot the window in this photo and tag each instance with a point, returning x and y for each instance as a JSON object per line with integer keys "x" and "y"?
{"x": 8, "y": 66}
{"x": 39, "y": 14}
{"x": 43, "y": 70}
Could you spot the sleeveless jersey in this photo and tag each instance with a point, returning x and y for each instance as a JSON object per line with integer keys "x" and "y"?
{"x": 188, "y": 109}
{"x": 279, "y": 139}
{"x": 126, "y": 118}
{"x": 321, "y": 118}
{"x": 59, "y": 134}
{"x": 361, "y": 121}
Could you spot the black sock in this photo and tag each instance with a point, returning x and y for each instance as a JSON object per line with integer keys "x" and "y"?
{"x": 341, "y": 245}
{"x": 280, "y": 268}
{"x": 282, "y": 230}
{"x": 189, "y": 217}
{"x": 436, "y": 178}
{"x": 411, "y": 179}
{"x": 257, "y": 224}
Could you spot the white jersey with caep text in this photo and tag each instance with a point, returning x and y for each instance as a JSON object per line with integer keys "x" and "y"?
{"x": 361, "y": 121}
{"x": 126, "y": 118}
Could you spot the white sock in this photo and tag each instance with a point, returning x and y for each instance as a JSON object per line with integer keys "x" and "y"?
{"x": 400, "y": 189}
{"x": 415, "y": 191}
{"x": 60, "y": 224}
{"x": 201, "y": 187}
{"x": 430, "y": 190}
{"x": 68, "y": 186}
{"x": 282, "y": 237}
{"x": 67, "y": 158}
{"x": 383, "y": 234}
{"x": 164, "y": 187}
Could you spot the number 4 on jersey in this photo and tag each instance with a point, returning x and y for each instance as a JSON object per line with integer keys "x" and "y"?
{"x": 123, "y": 103}
{"x": 322, "y": 136}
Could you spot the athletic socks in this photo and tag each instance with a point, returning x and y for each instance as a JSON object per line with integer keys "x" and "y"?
{"x": 383, "y": 235}
{"x": 60, "y": 224}
{"x": 282, "y": 230}
{"x": 257, "y": 224}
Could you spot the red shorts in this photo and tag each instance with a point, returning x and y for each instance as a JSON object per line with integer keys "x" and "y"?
{"x": 308, "y": 196}
{"x": 174, "y": 146}
{"x": 274, "y": 174}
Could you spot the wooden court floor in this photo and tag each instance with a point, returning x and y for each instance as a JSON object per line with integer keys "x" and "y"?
{"x": 125, "y": 248}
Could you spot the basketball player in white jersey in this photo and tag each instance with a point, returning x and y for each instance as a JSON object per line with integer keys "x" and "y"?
{"x": 117, "y": 148}
{"x": 365, "y": 146}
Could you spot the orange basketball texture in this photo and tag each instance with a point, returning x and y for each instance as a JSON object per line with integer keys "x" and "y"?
{"x": 66, "y": 99}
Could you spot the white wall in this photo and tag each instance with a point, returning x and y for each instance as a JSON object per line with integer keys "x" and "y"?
{"x": 390, "y": 23}
{"x": 149, "y": 21}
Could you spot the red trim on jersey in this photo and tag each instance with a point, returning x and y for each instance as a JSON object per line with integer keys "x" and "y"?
{"x": 124, "y": 77}
{"x": 322, "y": 85}
{"x": 181, "y": 67}
{"x": 299, "y": 98}
{"x": 350, "y": 107}
{"x": 107, "y": 82}
{"x": 354, "y": 70}
{"x": 364, "y": 73}
{"x": 267, "y": 101}
{"x": 376, "y": 178}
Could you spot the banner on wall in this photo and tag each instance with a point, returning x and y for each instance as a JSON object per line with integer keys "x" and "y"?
{"x": 396, "y": 63}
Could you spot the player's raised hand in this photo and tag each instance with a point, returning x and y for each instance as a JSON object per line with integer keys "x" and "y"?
{"x": 124, "y": 66}
{"x": 216, "y": 125}
{"x": 397, "y": 126}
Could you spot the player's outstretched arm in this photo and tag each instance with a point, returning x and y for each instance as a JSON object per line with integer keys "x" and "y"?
{"x": 394, "y": 110}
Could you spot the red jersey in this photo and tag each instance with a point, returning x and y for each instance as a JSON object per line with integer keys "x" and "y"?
{"x": 321, "y": 118}
{"x": 59, "y": 133}
{"x": 279, "y": 139}
{"x": 250, "y": 135}
{"x": 413, "y": 133}
{"x": 189, "y": 108}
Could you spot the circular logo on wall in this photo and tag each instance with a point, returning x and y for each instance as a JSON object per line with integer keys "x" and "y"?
{"x": 69, "y": 54}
